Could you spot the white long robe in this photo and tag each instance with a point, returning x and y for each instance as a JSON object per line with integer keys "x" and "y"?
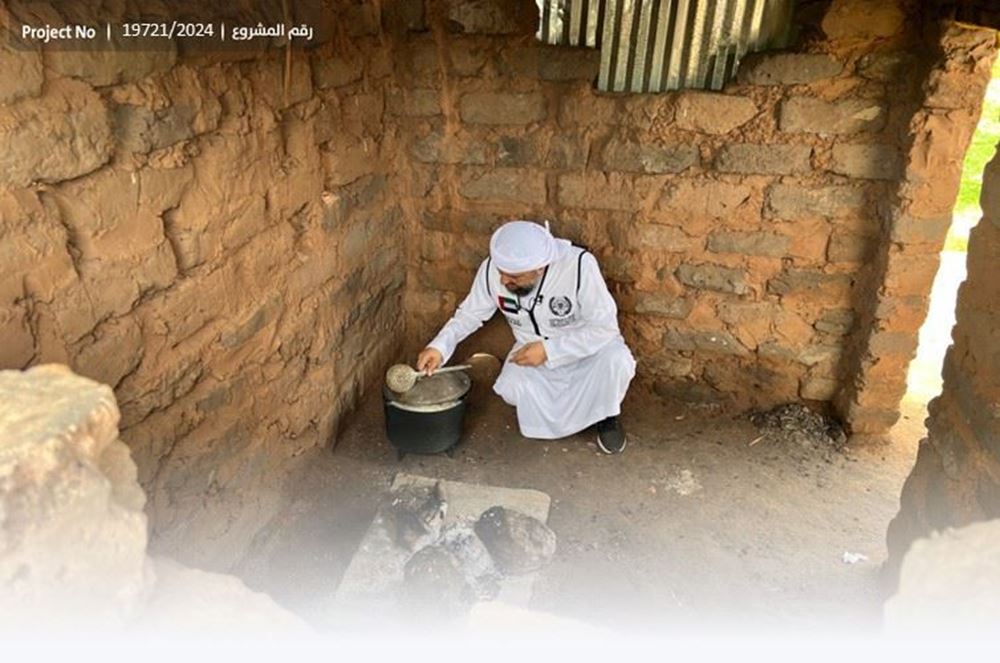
{"x": 589, "y": 367}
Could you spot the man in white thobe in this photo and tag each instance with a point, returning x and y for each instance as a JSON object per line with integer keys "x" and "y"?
{"x": 569, "y": 368}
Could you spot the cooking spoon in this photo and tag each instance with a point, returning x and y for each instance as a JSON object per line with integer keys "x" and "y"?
{"x": 401, "y": 378}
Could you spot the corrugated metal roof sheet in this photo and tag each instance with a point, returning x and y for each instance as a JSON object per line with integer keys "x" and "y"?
{"x": 658, "y": 45}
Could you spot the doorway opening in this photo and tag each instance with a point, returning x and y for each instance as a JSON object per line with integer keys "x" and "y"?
{"x": 924, "y": 379}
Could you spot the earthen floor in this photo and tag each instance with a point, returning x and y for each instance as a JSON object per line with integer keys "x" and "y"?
{"x": 691, "y": 527}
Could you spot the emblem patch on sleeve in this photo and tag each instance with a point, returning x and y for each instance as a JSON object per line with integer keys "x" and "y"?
{"x": 508, "y": 304}
{"x": 560, "y": 306}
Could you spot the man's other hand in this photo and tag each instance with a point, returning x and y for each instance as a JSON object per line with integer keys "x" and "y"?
{"x": 429, "y": 361}
{"x": 532, "y": 354}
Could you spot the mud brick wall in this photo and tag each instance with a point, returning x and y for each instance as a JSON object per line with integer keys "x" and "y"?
{"x": 956, "y": 479}
{"x": 214, "y": 235}
{"x": 736, "y": 229}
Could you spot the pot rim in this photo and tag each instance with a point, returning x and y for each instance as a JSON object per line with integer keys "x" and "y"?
{"x": 427, "y": 409}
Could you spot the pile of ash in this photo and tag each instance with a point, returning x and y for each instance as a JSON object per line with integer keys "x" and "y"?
{"x": 797, "y": 424}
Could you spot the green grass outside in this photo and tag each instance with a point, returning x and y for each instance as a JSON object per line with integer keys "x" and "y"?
{"x": 967, "y": 211}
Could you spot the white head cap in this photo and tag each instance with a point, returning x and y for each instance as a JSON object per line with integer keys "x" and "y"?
{"x": 523, "y": 246}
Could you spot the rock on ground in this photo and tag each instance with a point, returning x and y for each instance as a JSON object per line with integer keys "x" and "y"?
{"x": 73, "y": 532}
{"x": 949, "y": 583}
{"x": 434, "y": 587}
{"x": 517, "y": 542}
{"x": 192, "y": 602}
{"x": 72, "y": 528}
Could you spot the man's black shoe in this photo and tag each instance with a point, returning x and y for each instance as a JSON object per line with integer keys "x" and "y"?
{"x": 610, "y": 436}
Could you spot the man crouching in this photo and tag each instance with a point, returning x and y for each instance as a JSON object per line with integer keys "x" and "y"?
{"x": 569, "y": 367}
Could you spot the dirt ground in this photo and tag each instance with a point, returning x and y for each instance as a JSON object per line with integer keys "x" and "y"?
{"x": 691, "y": 527}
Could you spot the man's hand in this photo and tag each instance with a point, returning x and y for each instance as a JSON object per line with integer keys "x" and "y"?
{"x": 429, "y": 361}
{"x": 532, "y": 354}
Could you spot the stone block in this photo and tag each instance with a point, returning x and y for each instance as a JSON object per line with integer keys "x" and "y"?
{"x": 504, "y": 185}
{"x": 713, "y": 113}
{"x": 811, "y": 284}
{"x": 567, "y": 152}
{"x": 436, "y": 148}
{"x": 754, "y": 244}
{"x": 887, "y": 66}
{"x": 910, "y": 274}
{"x": 777, "y": 352}
{"x": 838, "y": 322}
{"x": 346, "y": 160}
{"x": 560, "y": 151}
{"x": 123, "y": 60}
{"x": 656, "y": 238}
{"x": 116, "y": 351}
{"x": 751, "y": 322}
{"x": 819, "y": 388}
{"x": 569, "y": 64}
{"x": 866, "y": 160}
{"x": 763, "y": 159}
{"x": 19, "y": 344}
{"x": 493, "y": 17}
{"x": 788, "y": 68}
{"x": 850, "y": 248}
{"x": 271, "y": 82}
{"x": 793, "y": 201}
{"x": 909, "y": 229}
{"x": 588, "y": 109}
{"x": 713, "y": 277}
{"x": 902, "y": 313}
{"x": 955, "y": 88}
{"x": 862, "y": 19}
{"x": 469, "y": 60}
{"x": 551, "y": 63}
{"x": 934, "y": 160}
{"x": 715, "y": 341}
{"x": 813, "y": 355}
{"x": 360, "y": 20}
{"x": 336, "y": 71}
{"x": 688, "y": 390}
{"x": 483, "y": 224}
{"x": 518, "y": 150}
{"x": 22, "y": 67}
{"x": 140, "y": 129}
{"x": 61, "y": 135}
{"x": 648, "y": 158}
{"x": 609, "y": 191}
{"x": 810, "y": 115}
{"x": 404, "y": 16}
{"x": 502, "y": 107}
{"x": 669, "y": 364}
{"x": 883, "y": 343}
{"x": 662, "y": 305}
{"x": 871, "y": 420}
{"x": 115, "y": 220}
{"x": 718, "y": 200}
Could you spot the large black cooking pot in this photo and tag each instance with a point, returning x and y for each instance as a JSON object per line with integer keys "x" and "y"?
{"x": 429, "y": 418}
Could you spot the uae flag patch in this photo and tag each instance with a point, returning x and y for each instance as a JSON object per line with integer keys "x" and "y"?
{"x": 508, "y": 304}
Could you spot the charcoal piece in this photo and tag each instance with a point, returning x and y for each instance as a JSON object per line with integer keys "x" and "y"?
{"x": 517, "y": 542}
{"x": 415, "y": 516}
{"x": 473, "y": 559}
{"x": 434, "y": 586}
